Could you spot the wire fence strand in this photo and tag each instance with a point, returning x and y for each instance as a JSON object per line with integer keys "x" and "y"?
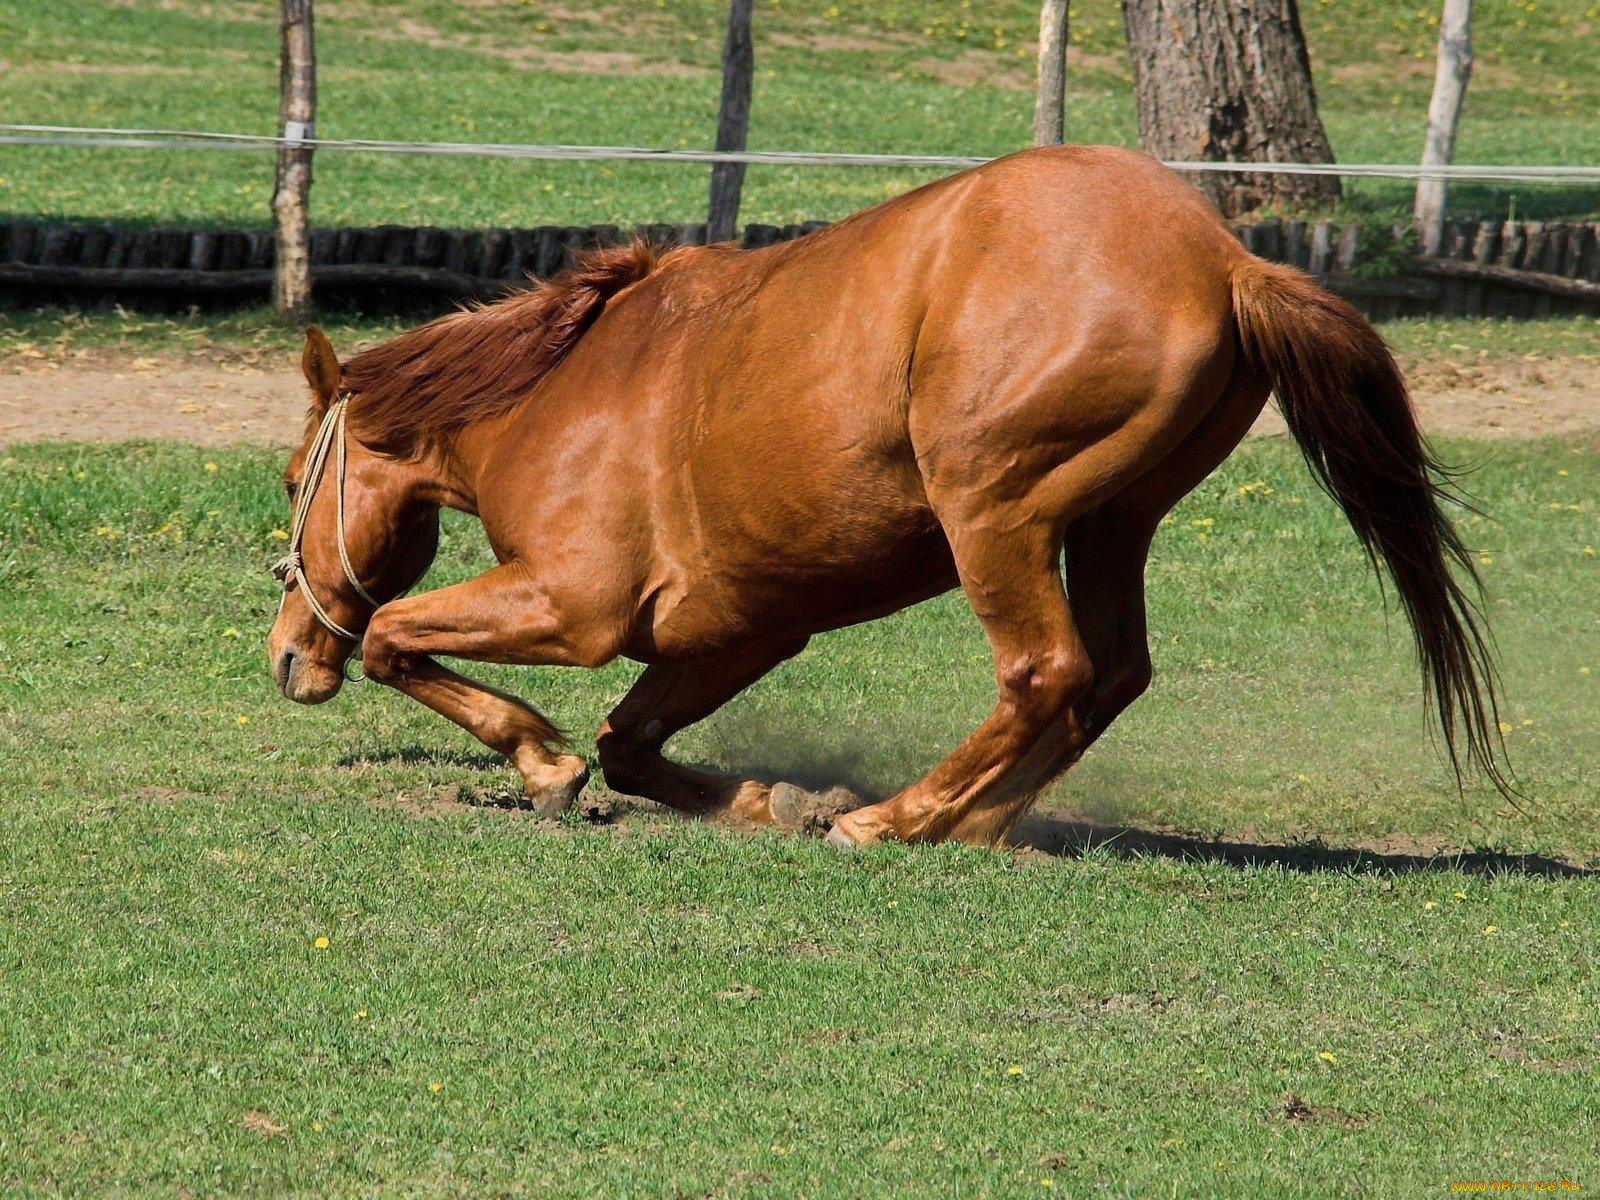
{"x": 98, "y": 137}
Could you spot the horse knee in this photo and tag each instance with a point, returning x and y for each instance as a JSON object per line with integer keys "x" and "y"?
{"x": 381, "y": 656}
{"x": 1040, "y": 686}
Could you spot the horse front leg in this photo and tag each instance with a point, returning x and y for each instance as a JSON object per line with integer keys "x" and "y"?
{"x": 501, "y": 616}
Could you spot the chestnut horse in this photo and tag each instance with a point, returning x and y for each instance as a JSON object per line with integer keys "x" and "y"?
{"x": 699, "y": 460}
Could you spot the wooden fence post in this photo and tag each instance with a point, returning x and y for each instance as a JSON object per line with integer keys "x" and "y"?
{"x": 297, "y": 114}
{"x": 1450, "y": 77}
{"x": 733, "y": 123}
{"x": 1049, "y": 98}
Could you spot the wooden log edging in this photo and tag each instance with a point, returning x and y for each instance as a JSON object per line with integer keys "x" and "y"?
{"x": 1532, "y": 281}
{"x": 245, "y": 282}
{"x": 1489, "y": 268}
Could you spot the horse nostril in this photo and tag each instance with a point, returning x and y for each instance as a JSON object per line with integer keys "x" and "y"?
{"x": 285, "y": 669}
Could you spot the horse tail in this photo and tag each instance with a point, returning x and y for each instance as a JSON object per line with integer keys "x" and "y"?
{"x": 1347, "y": 408}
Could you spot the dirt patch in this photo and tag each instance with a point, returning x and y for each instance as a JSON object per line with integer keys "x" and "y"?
{"x": 597, "y": 62}
{"x": 1391, "y": 64}
{"x": 861, "y": 43}
{"x": 596, "y": 806}
{"x": 114, "y": 396}
{"x": 570, "y": 62}
{"x": 259, "y": 1122}
{"x": 1518, "y": 397}
{"x": 979, "y": 67}
{"x": 233, "y": 9}
{"x": 1132, "y": 1001}
{"x": 975, "y": 68}
{"x": 54, "y": 69}
{"x": 1297, "y": 1112}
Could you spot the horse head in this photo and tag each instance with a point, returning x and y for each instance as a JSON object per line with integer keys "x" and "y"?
{"x": 362, "y": 531}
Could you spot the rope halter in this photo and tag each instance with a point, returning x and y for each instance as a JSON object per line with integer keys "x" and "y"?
{"x": 290, "y": 568}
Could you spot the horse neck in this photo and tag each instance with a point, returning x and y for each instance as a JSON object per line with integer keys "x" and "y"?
{"x": 452, "y": 472}
{"x": 442, "y": 475}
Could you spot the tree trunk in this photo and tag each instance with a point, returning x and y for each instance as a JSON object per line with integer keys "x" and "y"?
{"x": 297, "y": 114}
{"x": 1450, "y": 77}
{"x": 1229, "y": 81}
{"x": 733, "y": 122}
{"x": 1049, "y": 101}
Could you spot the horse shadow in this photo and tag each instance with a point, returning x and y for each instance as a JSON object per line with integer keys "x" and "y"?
{"x": 1060, "y": 835}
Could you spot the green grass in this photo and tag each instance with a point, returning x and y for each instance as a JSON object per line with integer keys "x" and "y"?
{"x": 660, "y": 1009}
{"x": 62, "y": 334}
{"x": 932, "y": 76}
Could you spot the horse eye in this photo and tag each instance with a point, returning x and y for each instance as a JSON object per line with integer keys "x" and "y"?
{"x": 291, "y": 488}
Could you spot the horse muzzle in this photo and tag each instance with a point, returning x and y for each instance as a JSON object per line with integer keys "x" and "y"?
{"x": 303, "y": 679}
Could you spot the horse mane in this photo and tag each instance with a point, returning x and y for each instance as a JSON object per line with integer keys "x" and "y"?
{"x": 420, "y": 388}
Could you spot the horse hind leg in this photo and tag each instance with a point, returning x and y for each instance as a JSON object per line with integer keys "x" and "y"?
{"x": 1009, "y": 566}
{"x": 1007, "y": 494}
{"x": 670, "y": 697}
{"x": 1106, "y": 552}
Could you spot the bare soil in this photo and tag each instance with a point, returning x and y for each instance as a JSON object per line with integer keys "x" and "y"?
{"x": 106, "y": 396}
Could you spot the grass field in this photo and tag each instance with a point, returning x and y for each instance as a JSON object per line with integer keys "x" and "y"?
{"x": 930, "y": 76}
{"x": 505, "y": 1006}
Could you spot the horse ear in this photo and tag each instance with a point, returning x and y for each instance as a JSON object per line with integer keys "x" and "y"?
{"x": 321, "y": 366}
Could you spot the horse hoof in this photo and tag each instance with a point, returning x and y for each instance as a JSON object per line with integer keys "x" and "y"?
{"x": 554, "y": 798}
{"x": 859, "y": 828}
{"x": 840, "y": 840}
{"x": 796, "y": 810}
